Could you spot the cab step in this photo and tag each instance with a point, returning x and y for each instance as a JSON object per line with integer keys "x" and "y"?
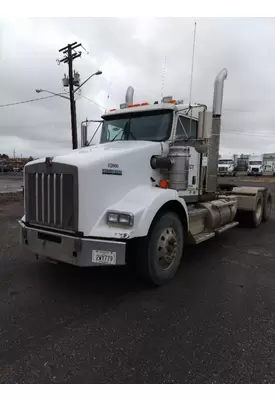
{"x": 226, "y": 227}
{"x": 203, "y": 236}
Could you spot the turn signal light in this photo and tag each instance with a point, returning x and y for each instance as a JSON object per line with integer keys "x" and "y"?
{"x": 133, "y": 105}
{"x": 113, "y": 109}
{"x": 144, "y": 104}
{"x": 163, "y": 184}
{"x": 172, "y": 101}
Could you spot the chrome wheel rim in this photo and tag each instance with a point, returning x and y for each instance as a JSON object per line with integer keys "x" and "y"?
{"x": 167, "y": 248}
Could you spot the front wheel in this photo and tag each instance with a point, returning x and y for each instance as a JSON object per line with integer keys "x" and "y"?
{"x": 158, "y": 255}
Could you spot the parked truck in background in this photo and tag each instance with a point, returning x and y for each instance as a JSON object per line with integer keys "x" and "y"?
{"x": 227, "y": 165}
{"x": 140, "y": 196}
{"x": 255, "y": 164}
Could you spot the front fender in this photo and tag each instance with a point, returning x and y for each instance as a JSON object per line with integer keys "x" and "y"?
{"x": 156, "y": 198}
{"x": 143, "y": 202}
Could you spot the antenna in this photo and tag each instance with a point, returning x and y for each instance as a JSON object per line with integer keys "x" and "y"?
{"x": 191, "y": 79}
{"x": 109, "y": 92}
{"x": 162, "y": 79}
{"x": 192, "y": 64}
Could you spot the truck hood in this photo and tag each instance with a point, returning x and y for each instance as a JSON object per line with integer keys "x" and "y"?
{"x": 225, "y": 165}
{"x": 255, "y": 166}
{"x": 86, "y": 156}
{"x": 106, "y": 174}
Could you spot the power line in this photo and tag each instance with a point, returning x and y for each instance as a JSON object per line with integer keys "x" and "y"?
{"x": 87, "y": 98}
{"x": 47, "y": 97}
{"x": 26, "y": 101}
{"x": 234, "y": 132}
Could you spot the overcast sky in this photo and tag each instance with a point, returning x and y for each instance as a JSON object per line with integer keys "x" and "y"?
{"x": 132, "y": 52}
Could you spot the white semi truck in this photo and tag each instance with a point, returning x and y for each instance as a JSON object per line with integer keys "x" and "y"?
{"x": 141, "y": 195}
{"x": 227, "y": 165}
{"x": 255, "y": 164}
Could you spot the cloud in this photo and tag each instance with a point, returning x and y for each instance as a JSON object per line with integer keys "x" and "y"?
{"x": 132, "y": 52}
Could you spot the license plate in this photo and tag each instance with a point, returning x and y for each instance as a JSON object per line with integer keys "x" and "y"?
{"x": 104, "y": 257}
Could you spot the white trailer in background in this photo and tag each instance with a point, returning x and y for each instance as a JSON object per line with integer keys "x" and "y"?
{"x": 227, "y": 165}
{"x": 137, "y": 198}
{"x": 255, "y": 164}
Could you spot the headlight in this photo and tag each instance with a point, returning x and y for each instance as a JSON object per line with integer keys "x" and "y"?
{"x": 126, "y": 219}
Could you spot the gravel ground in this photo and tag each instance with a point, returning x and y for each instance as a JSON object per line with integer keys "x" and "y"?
{"x": 214, "y": 323}
{"x": 11, "y": 182}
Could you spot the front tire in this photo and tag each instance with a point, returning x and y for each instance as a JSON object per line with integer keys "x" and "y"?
{"x": 158, "y": 255}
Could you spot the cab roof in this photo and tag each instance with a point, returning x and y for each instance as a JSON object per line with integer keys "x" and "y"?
{"x": 150, "y": 107}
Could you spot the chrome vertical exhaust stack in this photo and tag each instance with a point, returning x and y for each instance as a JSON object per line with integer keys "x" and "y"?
{"x": 218, "y": 93}
{"x": 129, "y": 97}
{"x": 214, "y": 145}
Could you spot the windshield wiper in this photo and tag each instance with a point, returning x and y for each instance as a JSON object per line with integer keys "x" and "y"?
{"x": 115, "y": 137}
{"x": 126, "y": 132}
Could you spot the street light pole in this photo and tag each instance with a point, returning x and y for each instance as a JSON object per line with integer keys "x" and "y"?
{"x": 53, "y": 93}
{"x": 72, "y": 100}
{"x": 95, "y": 73}
{"x": 70, "y": 55}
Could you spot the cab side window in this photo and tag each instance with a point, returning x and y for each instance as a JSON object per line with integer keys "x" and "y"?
{"x": 186, "y": 128}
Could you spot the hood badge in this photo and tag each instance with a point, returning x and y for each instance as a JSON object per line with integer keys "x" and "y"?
{"x": 112, "y": 170}
{"x": 49, "y": 162}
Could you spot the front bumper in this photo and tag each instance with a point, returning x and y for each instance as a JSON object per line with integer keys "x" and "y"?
{"x": 70, "y": 249}
{"x": 256, "y": 173}
{"x": 225, "y": 173}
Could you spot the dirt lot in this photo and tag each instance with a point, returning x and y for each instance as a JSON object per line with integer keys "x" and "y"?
{"x": 11, "y": 182}
{"x": 213, "y": 323}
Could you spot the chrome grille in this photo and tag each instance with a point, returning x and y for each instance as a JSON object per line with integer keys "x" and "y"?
{"x": 222, "y": 169}
{"x": 51, "y": 197}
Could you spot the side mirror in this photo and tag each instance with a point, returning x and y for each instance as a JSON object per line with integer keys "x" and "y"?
{"x": 95, "y": 139}
{"x": 83, "y": 135}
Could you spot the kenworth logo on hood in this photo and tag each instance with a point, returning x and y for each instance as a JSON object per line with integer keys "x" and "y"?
{"x": 48, "y": 161}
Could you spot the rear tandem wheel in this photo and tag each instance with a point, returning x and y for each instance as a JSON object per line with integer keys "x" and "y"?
{"x": 253, "y": 219}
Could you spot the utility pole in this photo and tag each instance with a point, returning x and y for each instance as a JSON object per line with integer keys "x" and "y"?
{"x": 71, "y": 54}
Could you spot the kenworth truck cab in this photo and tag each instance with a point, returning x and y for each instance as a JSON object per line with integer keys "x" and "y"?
{"x": 139, "y": 196}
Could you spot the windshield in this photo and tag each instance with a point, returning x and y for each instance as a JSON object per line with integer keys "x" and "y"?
{"x": 150, "y": 126}
{"x": 255, "y": 162}
{"x": 225, "y": 162}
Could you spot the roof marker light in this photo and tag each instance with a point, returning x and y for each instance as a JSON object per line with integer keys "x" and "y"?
{"x": 133, "y": 105}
